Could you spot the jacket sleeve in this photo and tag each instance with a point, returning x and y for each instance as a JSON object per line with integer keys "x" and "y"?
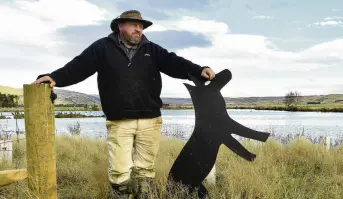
{"x": 175, "y": 66}
{"x": 79, "y": 68}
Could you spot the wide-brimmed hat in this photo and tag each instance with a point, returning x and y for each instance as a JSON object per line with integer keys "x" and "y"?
{"x": 130, "y": 15}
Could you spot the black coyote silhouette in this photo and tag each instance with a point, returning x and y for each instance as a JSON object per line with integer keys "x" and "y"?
{"x": 213, "y": 127}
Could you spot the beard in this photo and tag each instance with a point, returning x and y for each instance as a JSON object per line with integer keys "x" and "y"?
{"x": 132, "y": 39}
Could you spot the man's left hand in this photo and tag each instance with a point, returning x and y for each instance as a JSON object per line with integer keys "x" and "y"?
{"x": 208, "y": 73}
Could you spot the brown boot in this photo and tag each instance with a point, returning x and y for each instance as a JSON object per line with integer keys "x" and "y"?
{"x": 141, "y": 188}
{"x": 121, "y": 191}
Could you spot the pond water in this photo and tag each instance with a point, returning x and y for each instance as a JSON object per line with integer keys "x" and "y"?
{"x": 181, "y": 123}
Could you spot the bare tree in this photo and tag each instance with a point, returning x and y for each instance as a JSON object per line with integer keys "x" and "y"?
{"x": 292, "y": 97}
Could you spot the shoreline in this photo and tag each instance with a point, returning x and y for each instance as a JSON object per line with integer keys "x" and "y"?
{"x": 272, "y": 108}
{"x": 301, "y": 108}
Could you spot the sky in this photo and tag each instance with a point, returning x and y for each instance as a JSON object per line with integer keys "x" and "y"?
{"x": 270, "y": 46}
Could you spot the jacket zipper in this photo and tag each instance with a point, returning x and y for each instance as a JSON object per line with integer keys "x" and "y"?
{"x": 133, "y": 55}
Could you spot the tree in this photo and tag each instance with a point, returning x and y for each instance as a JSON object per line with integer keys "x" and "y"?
{"x": 8, "y": 100}
{"x": 292, "y": 98}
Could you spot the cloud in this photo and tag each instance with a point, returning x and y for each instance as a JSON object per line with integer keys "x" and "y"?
{"x": 332, "y": 18}
{"x": 260, "y": 65}
{"x": 116, "y": 7}
{"x": 262, "y": 17}
{"x": 28, "y": 35}
{"x": 35, "y": 22}
{"x": 156, "y": 9}
{"x": 177, "y": 39}
{"x": 61, "y": 13}
{"x": 191, "y": 24}
{"x": 252, "y": 56}
{"x": 329, "y": 21}
{"x": 75, "y": 40}
{"x": 279, "y": 4}
{"x": 21, "y": 64}
{"x": 246, "y": 51}
{"x": 170, "y": 5}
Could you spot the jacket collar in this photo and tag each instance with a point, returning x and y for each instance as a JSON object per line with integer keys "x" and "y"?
{"x": 114, "y": 36}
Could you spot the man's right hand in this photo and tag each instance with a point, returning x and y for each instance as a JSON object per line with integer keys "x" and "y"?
{"x": 45, "y": 79}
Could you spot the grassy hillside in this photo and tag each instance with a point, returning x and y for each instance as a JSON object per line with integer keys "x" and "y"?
{"x": 63, "y": 96}
{"x": 297, "y": 170}
{"x": 278, "y": 100}
{"x": 11, "y": 90}
{"x": 71, "y": 97}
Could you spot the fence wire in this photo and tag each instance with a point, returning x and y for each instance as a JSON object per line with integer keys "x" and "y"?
{"x": 11, "y": 154}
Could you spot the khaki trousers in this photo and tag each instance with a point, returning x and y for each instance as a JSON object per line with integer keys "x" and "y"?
{"x": 132, "y": 145}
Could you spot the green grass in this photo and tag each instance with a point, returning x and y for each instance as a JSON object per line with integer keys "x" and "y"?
{"x": 298, "y": 170}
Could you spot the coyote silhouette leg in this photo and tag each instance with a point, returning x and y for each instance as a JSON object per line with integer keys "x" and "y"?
{"x": 238, "y": 148}
{"x": 244, "y": 131}
{"x": 201, "y": 191}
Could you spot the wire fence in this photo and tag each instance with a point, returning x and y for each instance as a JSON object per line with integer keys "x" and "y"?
{"x": 11, "y": 154}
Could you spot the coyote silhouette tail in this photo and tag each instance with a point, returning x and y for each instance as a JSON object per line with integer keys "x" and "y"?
{"x": 213, "y": 127}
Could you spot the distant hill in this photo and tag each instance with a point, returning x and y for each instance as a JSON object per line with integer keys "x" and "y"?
{"x": 63, "y": 96}
{"x": 71, "y": 97}
{"x": 11, "y": 90}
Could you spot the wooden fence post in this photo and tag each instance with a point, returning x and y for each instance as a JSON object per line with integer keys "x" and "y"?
{"x": 10, "y": 176}
{"x": 40, "y": 140}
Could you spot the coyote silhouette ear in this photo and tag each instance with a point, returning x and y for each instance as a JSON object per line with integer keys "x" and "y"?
{"x": 222, "y": 78}
{"x": 189, "y": 87}
{"x": 196, "y": 81}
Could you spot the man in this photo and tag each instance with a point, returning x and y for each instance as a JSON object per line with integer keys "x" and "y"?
{"x": 129, "y": 83}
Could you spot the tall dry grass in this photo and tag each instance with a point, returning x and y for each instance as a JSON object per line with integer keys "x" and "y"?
{"x": 298, "y": 170}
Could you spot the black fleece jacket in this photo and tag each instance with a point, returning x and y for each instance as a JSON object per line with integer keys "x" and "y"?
{"x": 128, "y": 88}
